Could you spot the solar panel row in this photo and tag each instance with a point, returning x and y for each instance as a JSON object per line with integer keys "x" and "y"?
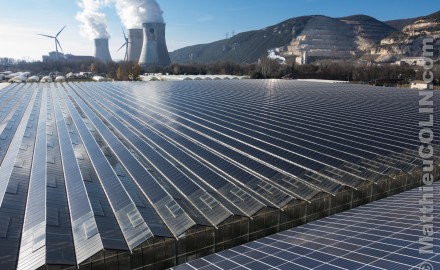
{"x": 144, "y": 169}
{"x": 381, "y": 235}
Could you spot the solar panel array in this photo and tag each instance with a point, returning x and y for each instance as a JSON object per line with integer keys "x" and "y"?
{"x": 87, "y": 167}
{"x": 381, "y": 235}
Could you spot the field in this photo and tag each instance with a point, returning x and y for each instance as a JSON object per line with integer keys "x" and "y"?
{"x": 173, "y": 171}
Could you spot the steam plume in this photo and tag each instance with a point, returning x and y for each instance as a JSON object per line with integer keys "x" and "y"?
{"x": 134, "y": 13}
{"x": 94, "y": 22}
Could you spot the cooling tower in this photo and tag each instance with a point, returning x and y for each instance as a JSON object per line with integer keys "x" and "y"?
{"x": 102, "y": 51}
{"x": 154, "y": 47}
{"x": 135, "y": 40}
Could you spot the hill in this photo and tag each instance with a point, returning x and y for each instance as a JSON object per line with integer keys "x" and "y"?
{"x": 307, "y": 38}
{"x": 409, "y": 41}
{"x": 244, "y": 47}
{"x": 400, "y": 24}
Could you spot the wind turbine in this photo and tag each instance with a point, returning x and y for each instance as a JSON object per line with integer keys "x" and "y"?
{"x": 126, "y": 46}
{"x": 57, "y": 43}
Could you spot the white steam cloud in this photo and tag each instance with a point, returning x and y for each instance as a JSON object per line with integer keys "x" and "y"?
{"x": 134, "y": 13}
{"x": 93, "y": 22}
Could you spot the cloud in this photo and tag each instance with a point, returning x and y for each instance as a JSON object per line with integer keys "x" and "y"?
{"x": 93, "y": 22}
{"x": 134, "y": 13}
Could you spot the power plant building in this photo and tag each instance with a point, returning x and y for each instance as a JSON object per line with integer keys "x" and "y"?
{"x": 132, "y": 175}
{"x": 66, "y": 57}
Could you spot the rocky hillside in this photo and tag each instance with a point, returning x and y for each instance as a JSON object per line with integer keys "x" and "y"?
{"x": 316, "y": 38}
{"x": 368, "y": 30}
{"x": 409, "y": 41}
{"x": 323, "y": 37}
{"x": 245, "y": 47}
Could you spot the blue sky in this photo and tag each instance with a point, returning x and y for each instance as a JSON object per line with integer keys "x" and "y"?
{"x": 188, "y": 21}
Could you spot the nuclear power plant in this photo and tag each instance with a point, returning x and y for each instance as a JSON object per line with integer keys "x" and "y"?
{"x": 154, "y": 47}
{"x": 146, "y": 46}
{"x": 143, "y": 19}
{"x": 102, "y": 51}
{"x": 135, "y": 40}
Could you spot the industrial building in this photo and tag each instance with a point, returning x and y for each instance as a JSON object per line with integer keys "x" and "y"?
{"x": 150, "y": 175}
{"x": 54, "y": 56}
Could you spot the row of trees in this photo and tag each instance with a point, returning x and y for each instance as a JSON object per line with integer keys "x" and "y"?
{"x": 265, "y": 68}
{"x": 344, "y": 71}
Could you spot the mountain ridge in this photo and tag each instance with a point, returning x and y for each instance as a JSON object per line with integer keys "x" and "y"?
{"x": 315, "y": 37}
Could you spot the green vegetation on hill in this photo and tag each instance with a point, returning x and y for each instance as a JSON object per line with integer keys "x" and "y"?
{"x": 400, "y": 24}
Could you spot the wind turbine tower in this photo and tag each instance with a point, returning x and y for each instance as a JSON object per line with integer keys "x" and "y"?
{"x": 126, "y": 45}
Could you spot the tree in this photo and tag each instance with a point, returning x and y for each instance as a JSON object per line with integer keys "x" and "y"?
{"x": 135, "y": 72}
{"x": 269, "y": 67}
{"x": 93, "y": 68}
{"x": 120, "y": 74}
{"x": 176, "y": 69}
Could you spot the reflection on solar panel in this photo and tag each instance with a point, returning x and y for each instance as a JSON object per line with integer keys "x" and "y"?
{"x": 151, "y": 175}
{"x": 381, "y": 235}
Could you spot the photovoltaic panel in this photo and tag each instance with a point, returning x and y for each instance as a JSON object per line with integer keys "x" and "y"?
{"x": 141, "y": 175}
{"x": 81, "y": 213}
{"x": 11, "y": 156}
{"x": 147, "y": 175}
{"x": 154, "y": 138}
{"x": 34, "y": 224}
{"x": 125, "y": 210}
{"x": 342, "y": 241}
{"x": 237, "y": 157}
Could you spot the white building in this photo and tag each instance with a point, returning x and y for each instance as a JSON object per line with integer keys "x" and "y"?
{"x": 412, "y": 61}
{"x": 301, "y": 60}
{"x": 421, "y": 85}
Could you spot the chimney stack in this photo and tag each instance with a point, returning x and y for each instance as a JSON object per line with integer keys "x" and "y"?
{"x": 135, "y": 40}
{"x": 154, "y": 47}
{"x": 102, "y": 51}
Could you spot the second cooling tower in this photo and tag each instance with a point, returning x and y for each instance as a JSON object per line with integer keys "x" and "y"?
{"x": 135, "y": 40}
{"x": 102, "y": 51}
{"x": 154, "y": 47}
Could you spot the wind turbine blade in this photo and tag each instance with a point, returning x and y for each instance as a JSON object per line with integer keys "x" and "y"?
{"x": 59, "y": 45}
{"x": 123, "y": 32}
{"x": 121, "y": 47}
{"x": 45, "y": 36}
{"x": 61, "y": 30}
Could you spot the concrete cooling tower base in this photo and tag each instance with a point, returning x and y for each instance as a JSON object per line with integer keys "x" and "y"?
{"x": 135, "y": 40}
{"x": 102, "y": 51}
{"x": 154, "y": 47}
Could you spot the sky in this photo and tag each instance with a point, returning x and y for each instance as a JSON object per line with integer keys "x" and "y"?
{"x": 189, "y": 22}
